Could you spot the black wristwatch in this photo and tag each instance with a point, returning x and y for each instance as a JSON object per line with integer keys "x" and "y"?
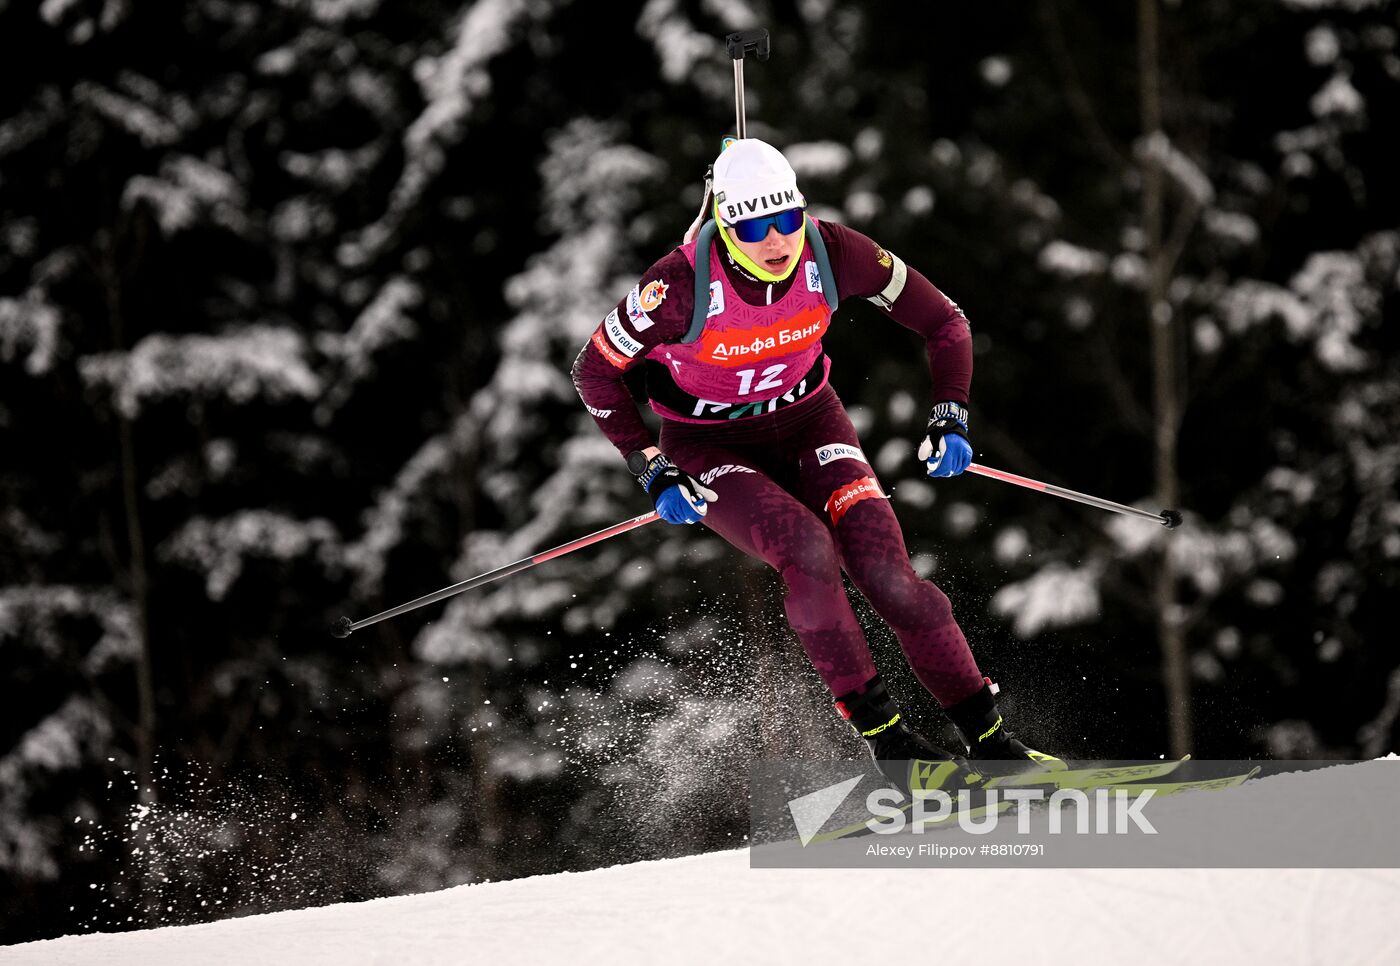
{"x": 637, "y": 462}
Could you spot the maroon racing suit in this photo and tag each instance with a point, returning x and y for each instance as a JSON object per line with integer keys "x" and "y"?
{"x": 795, "y": 489}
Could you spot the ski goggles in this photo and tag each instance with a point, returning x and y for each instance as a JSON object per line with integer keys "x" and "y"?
{"x": 752, "y": 230}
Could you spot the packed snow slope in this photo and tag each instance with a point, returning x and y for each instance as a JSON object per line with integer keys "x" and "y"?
{"x": 710, "y": 908}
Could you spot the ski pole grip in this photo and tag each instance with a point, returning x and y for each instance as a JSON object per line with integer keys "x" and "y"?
{"x": 743, "y": 42}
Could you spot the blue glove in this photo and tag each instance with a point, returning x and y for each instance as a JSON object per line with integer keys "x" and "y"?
{"x": 945, "y": 449}
{"x": 679, "y": 497}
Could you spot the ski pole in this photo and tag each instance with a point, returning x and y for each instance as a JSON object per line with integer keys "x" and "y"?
{"x": 345, "y": 626}
{"x": 1171, "y": 519}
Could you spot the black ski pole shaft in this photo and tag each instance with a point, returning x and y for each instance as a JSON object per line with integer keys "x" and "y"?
{"x": 345, "y": 626}
{"x": 1170, "y": 519}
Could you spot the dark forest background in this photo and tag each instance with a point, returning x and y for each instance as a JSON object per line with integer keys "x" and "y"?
{"x": 288, "y": 296}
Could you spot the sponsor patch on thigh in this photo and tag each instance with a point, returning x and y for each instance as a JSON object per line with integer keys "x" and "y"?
{"x": 849, "y": 494}
{"x": 839, "y": 451}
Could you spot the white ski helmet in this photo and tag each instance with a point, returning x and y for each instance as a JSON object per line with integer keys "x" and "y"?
{"x": 752, "y": 179}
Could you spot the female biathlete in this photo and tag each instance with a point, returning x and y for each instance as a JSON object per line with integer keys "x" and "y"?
{"x": 757, "y": 445}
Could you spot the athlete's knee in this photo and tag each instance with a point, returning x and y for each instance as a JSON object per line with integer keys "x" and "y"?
{"x": 903, "y": 597}
{"x": 812, "y": 553}
{"x": 939, "y": 606}
{"x": 798, "y": 545}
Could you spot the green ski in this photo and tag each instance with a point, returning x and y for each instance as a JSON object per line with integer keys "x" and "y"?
{"x": 863, "y": 827}
{"x": 1088, "y": 777}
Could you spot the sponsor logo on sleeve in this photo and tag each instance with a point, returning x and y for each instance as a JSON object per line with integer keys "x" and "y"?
{"x": 847, "y": 496}
{"x": 600, "y": 413}
{"x": 600, "y": 342}
{"x": 653, "y": 295}
{"x": 621, "y": 341}
{"x": 832, "y": 452}
{"x": 716, "y": 299}
{"x": 639, "y": 318}
{"x": 814, "y": 277}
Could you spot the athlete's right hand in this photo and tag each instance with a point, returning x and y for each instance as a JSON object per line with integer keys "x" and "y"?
{"x": 679, "y": 497}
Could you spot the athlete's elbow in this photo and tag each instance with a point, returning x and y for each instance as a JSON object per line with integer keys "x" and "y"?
{"x": 583, "y": 372}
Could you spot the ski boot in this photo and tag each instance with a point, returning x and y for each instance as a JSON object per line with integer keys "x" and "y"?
{"x": 906, "y": 758}
{"x": 987, "y": 739}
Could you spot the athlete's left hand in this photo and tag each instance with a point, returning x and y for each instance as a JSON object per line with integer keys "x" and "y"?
{"x": 945, "y": 449}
